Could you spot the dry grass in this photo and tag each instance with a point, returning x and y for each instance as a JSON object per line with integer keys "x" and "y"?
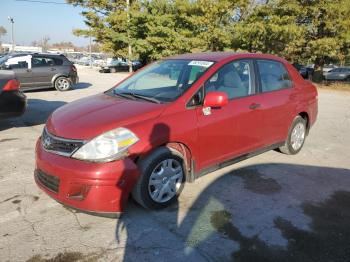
{"x": 341, "y": 86}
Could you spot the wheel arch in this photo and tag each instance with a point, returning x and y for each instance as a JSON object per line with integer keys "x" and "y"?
{"x": 306, "y": 117}
{"x": 182, "y": 149}
{"x": 54, "y": 78}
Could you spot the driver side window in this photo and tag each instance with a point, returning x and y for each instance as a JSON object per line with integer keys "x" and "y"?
{"x": 17, "y": 63}
{"x": 235, "y": 79}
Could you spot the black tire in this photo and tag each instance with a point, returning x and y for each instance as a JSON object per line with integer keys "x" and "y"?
{"x": 141, "y": 192}
{"x": 288, "y": 148}
{"x": 63, "y": 83}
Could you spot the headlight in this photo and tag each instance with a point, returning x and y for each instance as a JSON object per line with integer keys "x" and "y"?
{"x": 108, "y": 146}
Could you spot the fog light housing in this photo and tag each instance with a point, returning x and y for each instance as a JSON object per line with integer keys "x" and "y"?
{"x": 78, "y": 191}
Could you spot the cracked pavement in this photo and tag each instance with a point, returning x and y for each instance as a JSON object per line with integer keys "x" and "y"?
{"x": 271, "y": 207}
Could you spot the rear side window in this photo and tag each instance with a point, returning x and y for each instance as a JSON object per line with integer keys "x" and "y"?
{"x": 58, "y": 61}
{"x": 45, "y": 61}
{"x": 273, "y": 75}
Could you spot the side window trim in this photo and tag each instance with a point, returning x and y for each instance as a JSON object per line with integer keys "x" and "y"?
{"x": 258, "y": 87}
{"x": 199, "y": 90}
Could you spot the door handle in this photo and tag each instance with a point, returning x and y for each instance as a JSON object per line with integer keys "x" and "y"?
{"x": 53, "y": 69}
{"x": 254, "y": 106}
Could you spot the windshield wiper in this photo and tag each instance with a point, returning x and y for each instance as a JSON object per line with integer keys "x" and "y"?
{"x": 125, "y": 95}
{"x": 133, "y": 95}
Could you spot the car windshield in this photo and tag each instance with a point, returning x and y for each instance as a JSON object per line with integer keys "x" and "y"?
{"x": 163, "y": 81}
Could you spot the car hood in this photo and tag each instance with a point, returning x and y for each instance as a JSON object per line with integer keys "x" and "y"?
{"x": 89, "y": 117}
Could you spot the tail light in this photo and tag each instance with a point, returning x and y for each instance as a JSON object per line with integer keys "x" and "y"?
{"x": 74, "y": 69}
{"x": 11, "y": 85}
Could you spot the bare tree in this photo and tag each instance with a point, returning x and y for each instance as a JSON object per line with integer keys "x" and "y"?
{"x": 2, "y": 32}
{"x": 44, "y": 43}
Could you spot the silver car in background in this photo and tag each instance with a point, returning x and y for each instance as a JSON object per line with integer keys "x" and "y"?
{"x": 338, "y": 74}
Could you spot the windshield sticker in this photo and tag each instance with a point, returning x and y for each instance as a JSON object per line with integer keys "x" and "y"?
{"x": 201, "y": 63}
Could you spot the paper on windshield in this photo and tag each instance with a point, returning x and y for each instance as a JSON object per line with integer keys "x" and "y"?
{"x": 200, "y": 63}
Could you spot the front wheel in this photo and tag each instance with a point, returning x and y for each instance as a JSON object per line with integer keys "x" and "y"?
{"x": 62, "y": 83}
{"x": 296, "y": 137}
{"x": 162, "y": 179}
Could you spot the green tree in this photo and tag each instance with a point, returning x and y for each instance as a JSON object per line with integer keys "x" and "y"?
{"x": 161, "y": 28}
{"x": 300, "y": 30}
{"x": 270, "y": 28}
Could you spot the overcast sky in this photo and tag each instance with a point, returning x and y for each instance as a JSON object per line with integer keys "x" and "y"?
{"x": 35, "y": 20}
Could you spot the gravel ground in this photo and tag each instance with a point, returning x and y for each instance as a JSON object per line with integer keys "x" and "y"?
{"x": 271, "y": 207}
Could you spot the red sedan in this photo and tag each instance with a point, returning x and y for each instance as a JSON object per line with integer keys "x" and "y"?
{"x": 168, "y": 124}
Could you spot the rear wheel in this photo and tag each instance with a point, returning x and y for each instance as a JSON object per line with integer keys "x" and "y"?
{"x": 296, "y": 137}
{"x": 162, "y": 179}
{"x": 62, "y": 83}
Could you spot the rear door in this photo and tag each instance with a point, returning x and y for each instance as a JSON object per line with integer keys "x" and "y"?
{"x": 234, "y": 129}
{"x": 277, "y": 104}
{"x": 43, "y": 70}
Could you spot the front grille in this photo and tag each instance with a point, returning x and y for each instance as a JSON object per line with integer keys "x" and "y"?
{"x": 50, "y": 182}
{"x": 60, "y": 146}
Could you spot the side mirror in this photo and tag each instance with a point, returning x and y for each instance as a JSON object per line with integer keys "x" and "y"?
{"x": 215, "y": 99}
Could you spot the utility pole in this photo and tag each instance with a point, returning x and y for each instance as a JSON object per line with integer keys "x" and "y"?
{"x": 12, "y": 37}
{"x": 90, "y": 48}
{"x": 128, "y": 32}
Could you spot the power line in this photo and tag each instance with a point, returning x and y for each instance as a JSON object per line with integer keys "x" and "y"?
{"x": 42, "y": 2}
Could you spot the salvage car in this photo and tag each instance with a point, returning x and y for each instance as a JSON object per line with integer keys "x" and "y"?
{"x": 170, "y": 123}
{"x": 37, "y": 71}
{"x": 119, "y": 66}
{"x": 12, "y": 101}
{"x": 338, "y": 74}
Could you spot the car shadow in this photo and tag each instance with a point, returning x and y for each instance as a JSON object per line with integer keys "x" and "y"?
{"x": 36, "y": 113}
{"x": 81, "y": 85}
{"x": 51, "y": 89}
{"x": 262, "y": 212}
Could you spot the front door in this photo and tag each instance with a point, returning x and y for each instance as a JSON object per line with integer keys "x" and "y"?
{"x": 234, "y": 129}
{"x": 21, "y": 66}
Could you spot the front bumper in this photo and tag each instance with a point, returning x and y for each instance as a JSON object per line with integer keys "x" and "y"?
{"x": 97, "y": 188}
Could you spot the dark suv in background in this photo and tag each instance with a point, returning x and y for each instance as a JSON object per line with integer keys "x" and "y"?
{"x": 36, "y": 71}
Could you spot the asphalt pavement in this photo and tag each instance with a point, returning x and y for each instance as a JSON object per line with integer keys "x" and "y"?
{"x": 272, "y": 207}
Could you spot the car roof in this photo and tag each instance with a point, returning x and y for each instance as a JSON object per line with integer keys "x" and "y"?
{"x": 219, "y": 56}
